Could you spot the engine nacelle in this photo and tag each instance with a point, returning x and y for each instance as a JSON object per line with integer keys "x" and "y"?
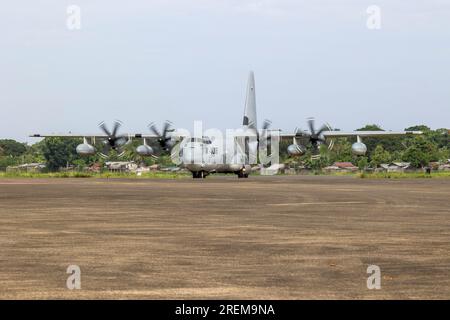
{"x": 85, "y": 149}
{"x": 359, "y": 148}
{"x": 296, "y": 150}
{"x": 145, "y": 150}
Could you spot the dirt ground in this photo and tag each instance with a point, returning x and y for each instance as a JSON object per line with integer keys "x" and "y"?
{"x": 283, "y": 237}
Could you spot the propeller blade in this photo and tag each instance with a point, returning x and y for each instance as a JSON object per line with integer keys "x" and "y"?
{"x": 314, "y": 138}
{"x": 302, "y": 134}
{"x": 116, "y": 127}
{"x": 311, "y": 126}
{"x": 322, "y": 129}
{"x": 163, "y": 138}
{"x": 165, "y": 128}
{"x": 106, "y": 149}
{"x": 153, "y": 128}
{"x": 120, "y": 153}
{"x": 120, "y": 141}
{"x": 315, "y": 149}
{"x": 331, "y": 145}
{"x": 102, "y": 126}
{"x": 266, "y": 124}
{"x": 264, "y": 135}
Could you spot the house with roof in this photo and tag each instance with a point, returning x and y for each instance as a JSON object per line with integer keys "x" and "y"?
{"x": 27, "y": 167}
{"x": 341, "y": 167}
{"x": 121, "y": 166}
{"x": 394, "y": 166}
{"x": 445, "y": 166}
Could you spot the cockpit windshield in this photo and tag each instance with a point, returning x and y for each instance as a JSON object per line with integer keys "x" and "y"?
{"x": 203, "y": 140}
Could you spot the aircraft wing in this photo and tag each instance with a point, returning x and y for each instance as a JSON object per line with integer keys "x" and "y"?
{"x": 101, "y": 136}
{"x": 342, "y": 134}
{"x": 326, "y": 134}
{"x": 98, "y": 136}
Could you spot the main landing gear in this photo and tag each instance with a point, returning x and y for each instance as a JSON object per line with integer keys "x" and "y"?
{"x": 242, "y": 174}
{"x": 199, "y": 175}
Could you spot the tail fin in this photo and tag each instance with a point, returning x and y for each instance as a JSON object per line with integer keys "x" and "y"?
{"x": 250, "y": 104}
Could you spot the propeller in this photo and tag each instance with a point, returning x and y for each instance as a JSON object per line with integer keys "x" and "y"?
{"x": 164, "y": 140}
{"x": 314, "y": 136}
{"x": 263, "y": 136}
{"x": 113, "y": 141}
{"x": 264, "y": 140}
{"x": 266, "y": 124}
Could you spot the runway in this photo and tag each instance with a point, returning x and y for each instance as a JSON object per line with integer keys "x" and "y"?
{"x": 281, "y": 237}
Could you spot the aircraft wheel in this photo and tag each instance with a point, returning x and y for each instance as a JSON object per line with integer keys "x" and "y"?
{"x": 242, "y": 174}
{"x": 199, "y": 175}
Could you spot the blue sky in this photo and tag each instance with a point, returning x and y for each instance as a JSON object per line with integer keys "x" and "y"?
{"x": 185, "y": 60}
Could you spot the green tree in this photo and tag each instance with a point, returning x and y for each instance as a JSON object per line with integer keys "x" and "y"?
{"x": 314, "y": 164}
{"x": 34, "y": 153}
{"x": 397, "y": 155}
{"x": 421, "y": 152}
{"x": 420, "y": 127}
{"x": 341, "y": 152}
{"x": 390, "y": 144}
{"x": 7, "y": 161}
{"x": 380, "y": 156}
{"x": 59, "y": 152}
{"x": 370, "y": 143}
{"x": 439, "y": 137}
{"x": 444, "y": 154}
{"x": 9, "y": 147}
{"x": 363, "y": 162}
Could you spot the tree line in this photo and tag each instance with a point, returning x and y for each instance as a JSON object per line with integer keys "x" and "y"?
{"x": 432, "y": 146}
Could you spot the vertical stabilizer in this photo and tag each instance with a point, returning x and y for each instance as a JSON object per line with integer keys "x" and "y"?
{"x": 250, "y": 104}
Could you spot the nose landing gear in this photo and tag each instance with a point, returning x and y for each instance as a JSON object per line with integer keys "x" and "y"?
{"x": 242, "y": 174}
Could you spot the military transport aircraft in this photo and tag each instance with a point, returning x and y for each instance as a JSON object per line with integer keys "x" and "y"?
{"x": 203, "y": 154}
